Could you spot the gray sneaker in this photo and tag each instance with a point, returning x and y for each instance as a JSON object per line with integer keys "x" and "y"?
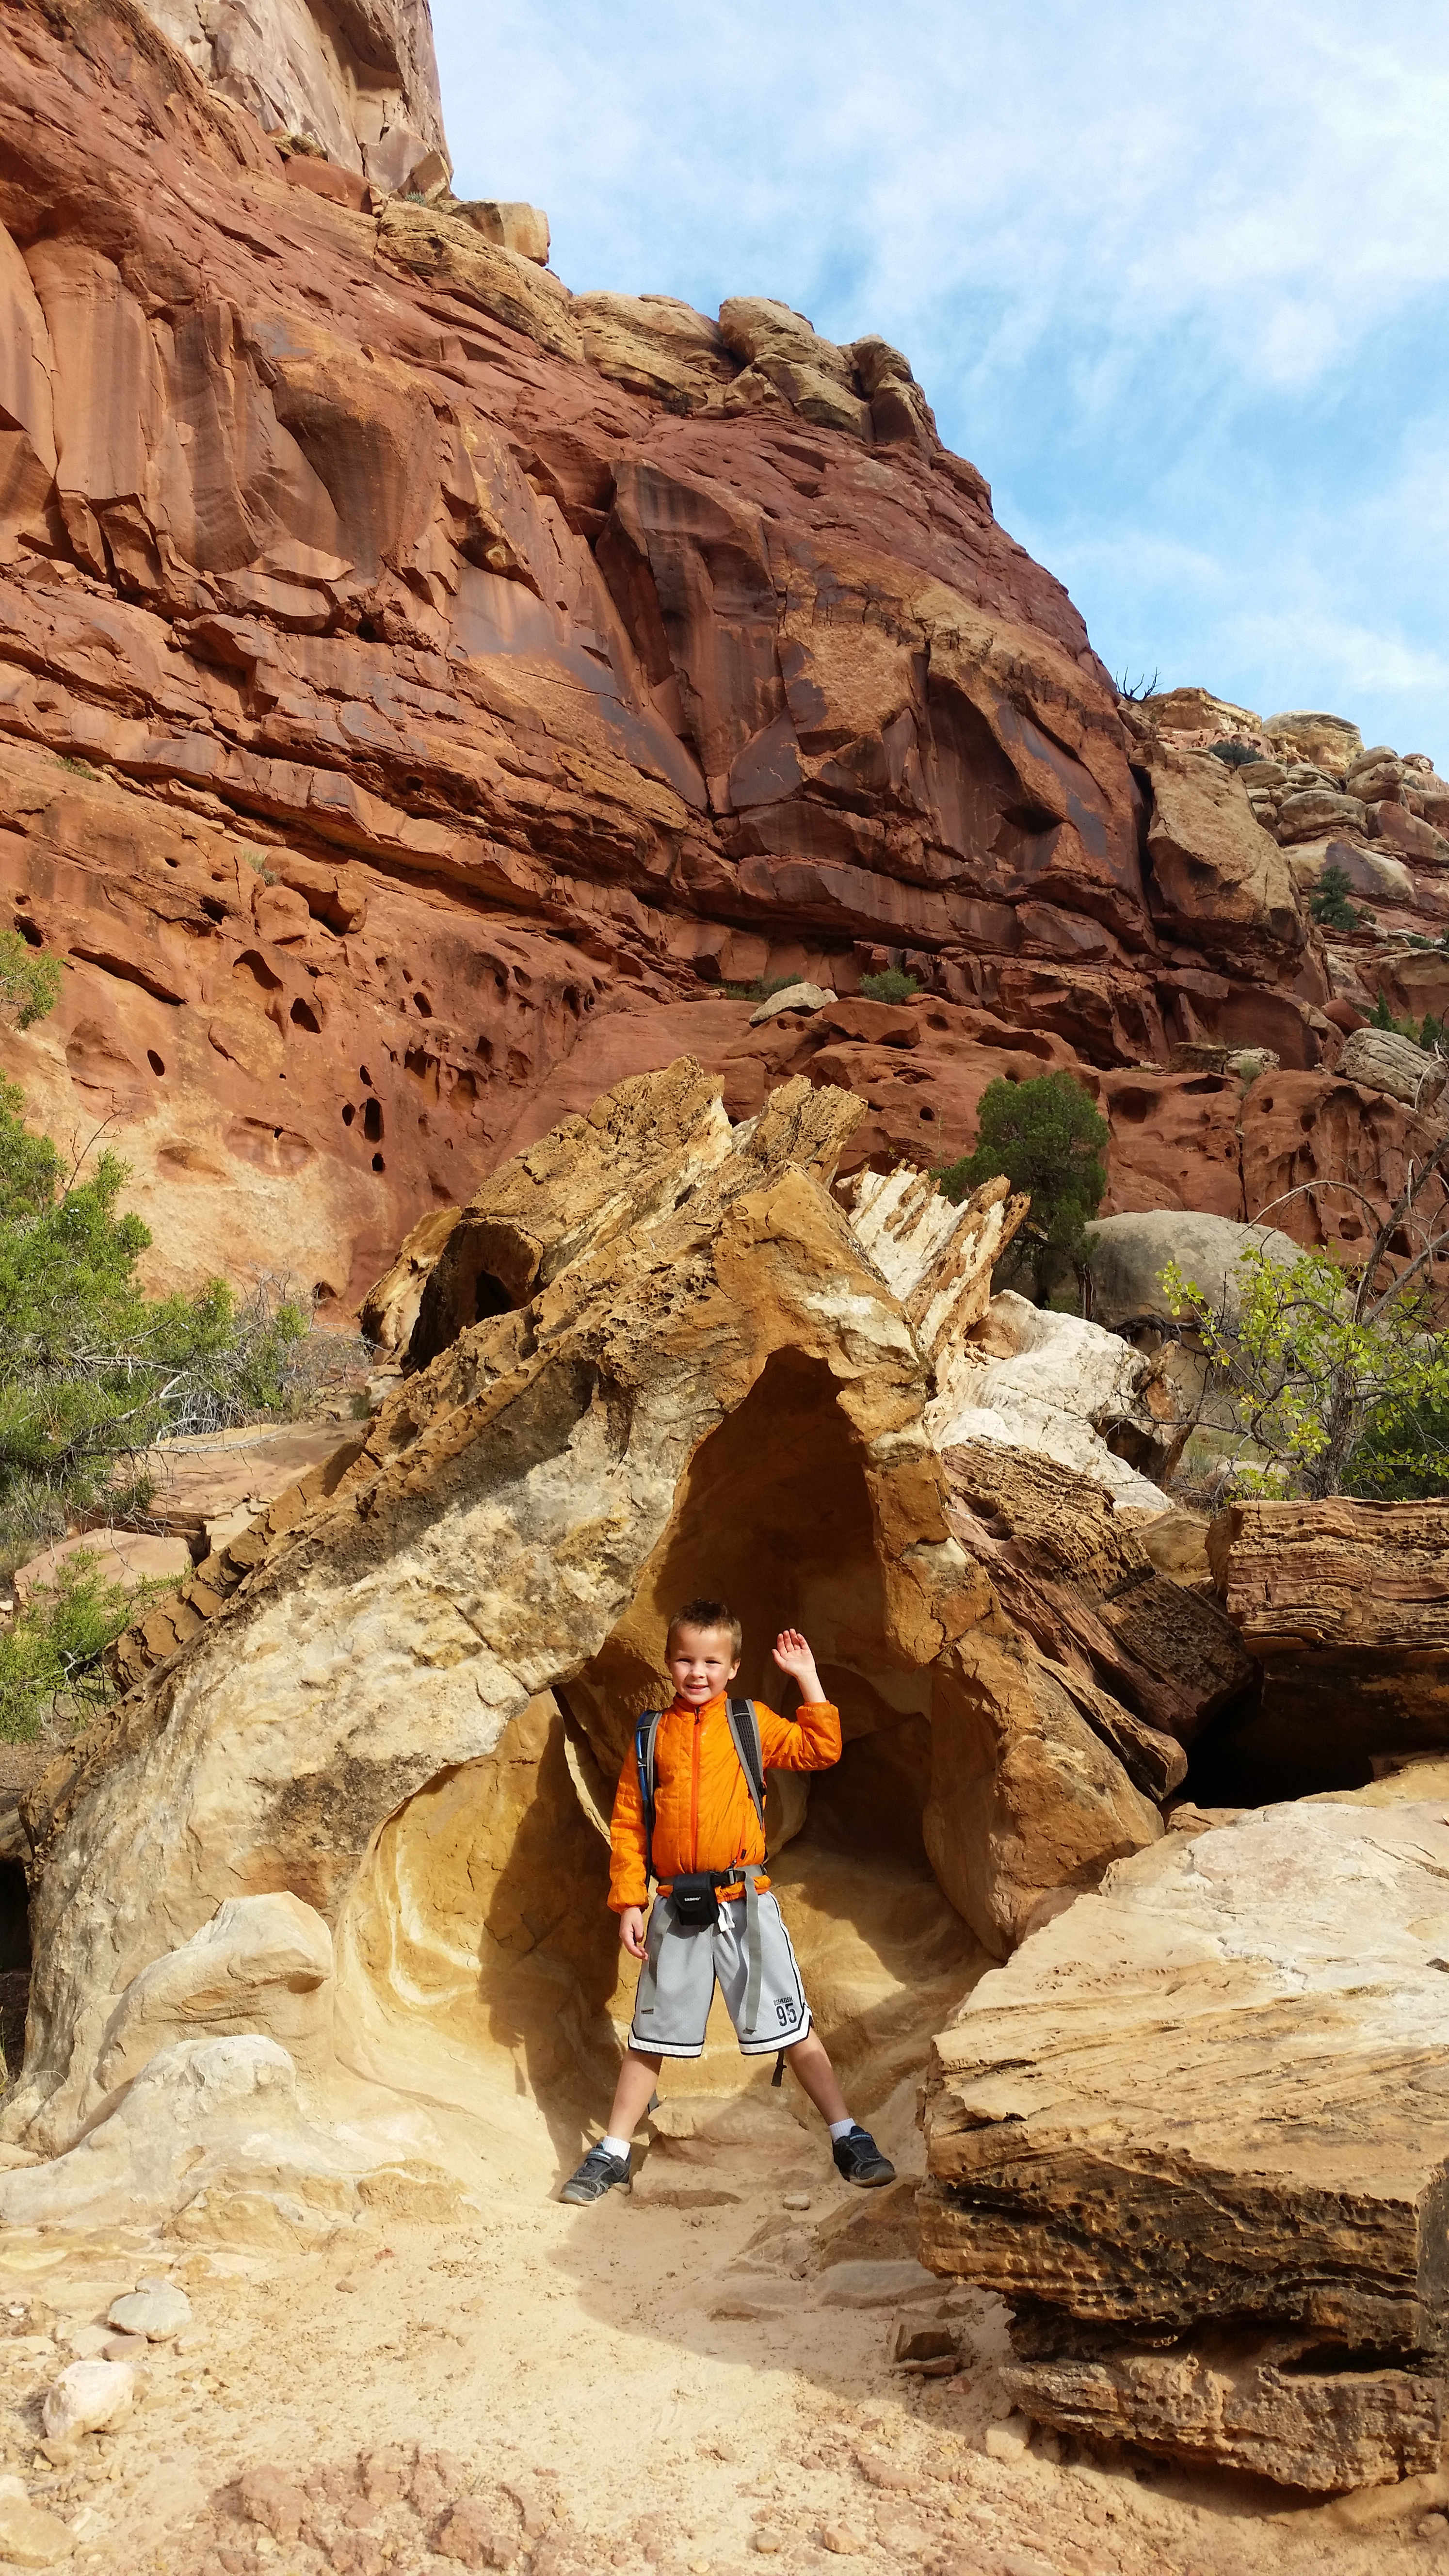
{"x": 598, "y": 2173}
{"x": 859, "y": 2159}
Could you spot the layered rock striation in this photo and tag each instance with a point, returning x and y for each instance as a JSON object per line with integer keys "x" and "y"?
{"x": 1194, "y": 2134}
{"x": 420, "y": 687}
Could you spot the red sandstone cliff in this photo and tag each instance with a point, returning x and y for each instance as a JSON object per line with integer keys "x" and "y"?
{"x": 419, "y": 686}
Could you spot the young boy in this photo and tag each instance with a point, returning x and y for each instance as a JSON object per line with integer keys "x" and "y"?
{"x": 704, "y": 1820}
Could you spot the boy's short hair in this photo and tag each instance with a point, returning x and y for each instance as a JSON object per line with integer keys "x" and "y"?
{"x": 707, "y": 1614}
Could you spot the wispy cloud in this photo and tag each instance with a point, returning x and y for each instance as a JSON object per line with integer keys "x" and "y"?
{"x": 1175, "y": 278}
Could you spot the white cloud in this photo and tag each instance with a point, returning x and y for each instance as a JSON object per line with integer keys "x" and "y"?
{"x": 1176, "y": 278}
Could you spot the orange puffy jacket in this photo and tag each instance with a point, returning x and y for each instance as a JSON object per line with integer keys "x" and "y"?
{"x": 704, "y": 1816}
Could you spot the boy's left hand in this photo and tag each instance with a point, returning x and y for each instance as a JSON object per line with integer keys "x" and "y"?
{"x": 792, "y": 1654}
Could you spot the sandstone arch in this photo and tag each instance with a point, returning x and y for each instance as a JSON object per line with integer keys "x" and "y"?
{"x": 362, "y": 1673}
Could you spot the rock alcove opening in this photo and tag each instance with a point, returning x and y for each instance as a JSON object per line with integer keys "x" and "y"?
{"x": 14, "y": 1960}
{"x": 479, "y": 1959}
{"x": 1243, "y": 1760}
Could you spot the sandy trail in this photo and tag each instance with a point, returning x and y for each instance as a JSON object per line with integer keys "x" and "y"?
{"x": 636, "y": 2386}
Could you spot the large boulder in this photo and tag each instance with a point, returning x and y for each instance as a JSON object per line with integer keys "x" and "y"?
{"x": 1382, "y": 1060}
{"x": 1126, "y": 1256}
{"x": 1195, "y": 2133}
{"x": 1330, "y": 743}
{"x": 1216, "y": 877}
{"x": 1065, "y": 1388}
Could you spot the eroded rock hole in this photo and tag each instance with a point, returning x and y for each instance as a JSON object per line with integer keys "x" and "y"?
{"x": 372, "y": 1122}
{"x": 479, "y": 1950}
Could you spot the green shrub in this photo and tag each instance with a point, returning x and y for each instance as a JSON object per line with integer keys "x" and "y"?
{"x": 92, "y": 1371}
{"x": 894, "y": 985}
{"x": 1425, "y": 1033}
{"x": 1337, "y": 1388}
{"x": 54, "y": 1650}
{"x": 29, "y": 980}
{"x": 1329, "y": 903}
{"x": 1238, "y": 755}
{"x": 763, "y": 988}
{"x": 1047, "y": 1139}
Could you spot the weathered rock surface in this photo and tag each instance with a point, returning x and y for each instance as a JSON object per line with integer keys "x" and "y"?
{"x": 360, "y": 84}
{"x": 1194, "y": 2133}
{"x": 1079, "y": 1579}
{"x": 1066, "y": 1389}
{"x": 1345, "y": 1607}
{"x": 406, "y": 665}
{"x": 1383, "y": 1061}
{"x": 1127, "y": 1255}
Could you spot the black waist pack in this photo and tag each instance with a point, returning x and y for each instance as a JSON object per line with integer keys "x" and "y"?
{"x": 695, "y": 1901}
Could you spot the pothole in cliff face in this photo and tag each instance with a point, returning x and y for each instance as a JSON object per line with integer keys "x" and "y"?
{"x": 479, "y": 1961}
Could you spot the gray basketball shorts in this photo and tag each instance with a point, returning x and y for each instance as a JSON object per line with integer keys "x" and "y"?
{"x": 678, "y": 1979}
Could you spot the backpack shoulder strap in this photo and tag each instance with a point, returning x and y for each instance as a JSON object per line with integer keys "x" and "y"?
{"x": 645, "y": 1734}
{"x": 744, "y": 1726}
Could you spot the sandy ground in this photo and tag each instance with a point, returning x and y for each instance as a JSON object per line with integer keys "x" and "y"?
{"x": 642, "y": 2385}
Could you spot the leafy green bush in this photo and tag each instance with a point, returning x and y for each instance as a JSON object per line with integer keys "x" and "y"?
{"x": 894, "y": 985}
{"x": 1047, "y": 1139}
{"x": 1329, "y": 903}
{"x": 1238, "y": 755}
{"x": 55, "y": 1647}
{"x": 1336, "y": 1389}
{"x": 29, "y": 980}
{"x": 92, "y": 1371}
{"x": 1425, "y": 1033}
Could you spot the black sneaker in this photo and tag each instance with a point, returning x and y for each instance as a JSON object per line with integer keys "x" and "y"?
{"x": 598, "y": 2173}
{"x": 859, "y": 2159}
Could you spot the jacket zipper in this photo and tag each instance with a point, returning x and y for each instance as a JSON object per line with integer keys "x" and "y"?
{"x": 694, "y": 1791}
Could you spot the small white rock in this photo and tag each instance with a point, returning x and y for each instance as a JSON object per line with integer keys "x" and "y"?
{"x": 1010, "y": 2439}
{"x": 155, "y": 2310}
{"x": 795, "y": 2200}
{"x": 89, "y": 2397}
{"x": 803, "y": 996}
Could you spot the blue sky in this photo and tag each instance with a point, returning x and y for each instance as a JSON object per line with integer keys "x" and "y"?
{"x": 1176, "y": 279}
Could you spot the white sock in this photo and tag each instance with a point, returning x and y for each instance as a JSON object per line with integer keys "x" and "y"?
{"x": 620, "y": 2146}
{"x": 840, "y": 2129}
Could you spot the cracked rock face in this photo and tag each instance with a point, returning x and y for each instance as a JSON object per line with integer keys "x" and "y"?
{"x": 1195, "y": 2133}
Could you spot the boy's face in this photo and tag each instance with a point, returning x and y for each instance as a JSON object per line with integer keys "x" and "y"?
{"x": 702, "y": 1662}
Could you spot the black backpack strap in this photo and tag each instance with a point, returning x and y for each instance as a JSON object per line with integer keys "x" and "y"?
{"x": 645, "y": 1734}
{"x": 744, "y": 1726}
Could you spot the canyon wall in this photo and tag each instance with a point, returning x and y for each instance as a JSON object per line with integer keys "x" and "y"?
{"x": 425, "y": 692}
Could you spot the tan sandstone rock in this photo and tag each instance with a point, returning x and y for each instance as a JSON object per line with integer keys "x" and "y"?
{"x": 1345, "y": 1606}
{"x": 1193, "y": 2132}
{"x": 1216, "y": 877}
{"x": 1332, "y": 743}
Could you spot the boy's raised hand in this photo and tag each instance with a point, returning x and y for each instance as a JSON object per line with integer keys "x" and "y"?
{"x": 792, "y": 1654}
